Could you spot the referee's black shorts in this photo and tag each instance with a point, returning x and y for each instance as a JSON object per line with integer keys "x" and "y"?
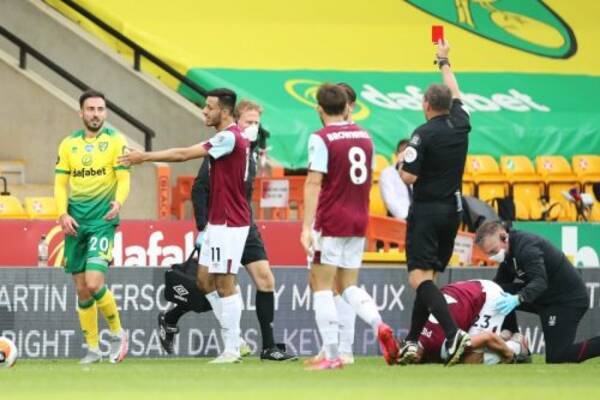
{"x": 254, "y": 250}
{"x": 431, "y": 230}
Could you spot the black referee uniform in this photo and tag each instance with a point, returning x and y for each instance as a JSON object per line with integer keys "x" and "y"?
{"x": 547, "y": 284}
{"x": 436, "y": 154}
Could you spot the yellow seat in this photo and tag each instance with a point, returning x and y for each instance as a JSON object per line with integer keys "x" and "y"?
{"x": 527, "y": 186}
{"x": 558, "y": 177}
{"x": 376, "y": 205}
{"x": 41, "y": 207}
{"x": 587, "y": 169}
{"x": 468, "y": 188}
{"x": 11, "y": 208}
{"x": 484, "y": 172}
{"x": 554, "y": 169}
{"x": 381, "y": 163}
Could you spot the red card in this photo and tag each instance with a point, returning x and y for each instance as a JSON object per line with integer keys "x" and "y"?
{"x": 437, "y": 33}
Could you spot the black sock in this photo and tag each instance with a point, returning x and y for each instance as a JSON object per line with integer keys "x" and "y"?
{"x": 433, "y": 298}
{"x": 265, "y": 310}
{"x": 419, "y": 317}
{"x": 174, "y": 314}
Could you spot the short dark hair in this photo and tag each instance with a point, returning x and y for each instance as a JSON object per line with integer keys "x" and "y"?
{"x": 332, "y": 99}
{"x": 227, "y": 98}
{"x": 402, "y": 143}
{"x": 349, "y": 92}
{"x": 487, "y": 229}
{"x": 88, "y": 94}
{"x": 439, "y": 97}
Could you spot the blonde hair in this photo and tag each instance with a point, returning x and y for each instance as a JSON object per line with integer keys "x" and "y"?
{"x": 246, "y": 105}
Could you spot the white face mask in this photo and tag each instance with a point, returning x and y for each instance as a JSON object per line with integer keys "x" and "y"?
{"x": 251, "y": 132}
{"x": 499, "y": 256}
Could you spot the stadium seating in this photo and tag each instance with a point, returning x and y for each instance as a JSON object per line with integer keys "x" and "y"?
{"x": 381, "y": 163}
{"x": 376, "y": 205}
{"x": 41, "y": 208}
{"x": 527, "y": 186}
{"x": 587, "y": 169}
{"x": 484, "y": 172}
{"x": 386, "y": 230}
{"x": 558, "y": 178}
{"x": 11, "y": 208}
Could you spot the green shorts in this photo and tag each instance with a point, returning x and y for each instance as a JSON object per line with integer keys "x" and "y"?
{"x": 91, "y": 249}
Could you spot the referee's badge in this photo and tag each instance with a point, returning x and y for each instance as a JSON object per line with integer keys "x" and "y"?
{"x": 410, "y": 154}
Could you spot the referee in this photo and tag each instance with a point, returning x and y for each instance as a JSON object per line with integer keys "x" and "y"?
{"x": 549, "y": 286}
{"x": 434, "y": 162}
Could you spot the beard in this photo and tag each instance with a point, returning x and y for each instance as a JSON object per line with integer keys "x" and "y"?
{"x": 93, "y": 126}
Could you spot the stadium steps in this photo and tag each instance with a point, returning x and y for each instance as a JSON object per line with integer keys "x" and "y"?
{"x": 175, "y": 120}
{"x": 13, "y": 171}
{"x": 35, "y": 120}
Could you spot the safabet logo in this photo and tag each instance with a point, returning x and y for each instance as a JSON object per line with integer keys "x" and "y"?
{"x": 305, "y": 91}
{"x": 529, "y": 26}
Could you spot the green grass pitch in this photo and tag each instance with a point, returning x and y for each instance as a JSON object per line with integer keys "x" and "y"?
{"x": 368, "y": 379}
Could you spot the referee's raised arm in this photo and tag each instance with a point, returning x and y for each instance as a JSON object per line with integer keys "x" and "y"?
{"x": 444, "y": 63}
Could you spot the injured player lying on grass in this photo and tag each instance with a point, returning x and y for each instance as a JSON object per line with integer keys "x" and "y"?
{"x": 473, "y": 306}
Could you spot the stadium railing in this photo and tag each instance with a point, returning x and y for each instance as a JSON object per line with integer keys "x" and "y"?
{"x": 26, "y": 50}
{"x": 138, "y": 50}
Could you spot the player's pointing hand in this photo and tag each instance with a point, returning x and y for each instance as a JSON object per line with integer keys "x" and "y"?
{"x": 132, "y": 157}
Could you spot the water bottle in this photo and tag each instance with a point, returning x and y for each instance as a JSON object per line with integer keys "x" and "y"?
{"x": 43, "y": 252}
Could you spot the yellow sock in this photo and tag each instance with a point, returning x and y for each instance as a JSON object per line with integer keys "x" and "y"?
{"x": 108, "y": 307}
{"x": 88, "y": 319}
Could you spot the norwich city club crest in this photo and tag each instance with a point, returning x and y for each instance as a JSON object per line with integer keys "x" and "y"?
{"x": 102, "y": 146}
{"x": 529, "y": 26}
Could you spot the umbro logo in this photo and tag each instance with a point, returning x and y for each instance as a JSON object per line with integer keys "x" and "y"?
{"x": 182, "y": 292}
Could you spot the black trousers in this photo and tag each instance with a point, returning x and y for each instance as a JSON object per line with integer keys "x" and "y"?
{"x": 559, "y": 324}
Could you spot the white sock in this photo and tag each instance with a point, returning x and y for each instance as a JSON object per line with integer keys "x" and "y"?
{"x": 347, "y": 318}
{"x": 232, "y": 314}
{"x": 363, "y": 305}
{"x": 327, "y": 322}
{"x": 239, "y": 296}
{"x": 514, "y": 346}
{"x": 215, "y": 302}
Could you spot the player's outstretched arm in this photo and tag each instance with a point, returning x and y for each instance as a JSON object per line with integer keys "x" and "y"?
{"x": 177, "y": 154}
{"x": 443, "y": 48}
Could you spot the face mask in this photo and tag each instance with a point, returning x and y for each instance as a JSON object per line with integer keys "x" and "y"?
{"x": 499, "y": 256}
{"x": 251, "y": 132}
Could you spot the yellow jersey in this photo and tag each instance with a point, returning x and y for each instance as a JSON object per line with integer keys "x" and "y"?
{"x": 93, "y": 169}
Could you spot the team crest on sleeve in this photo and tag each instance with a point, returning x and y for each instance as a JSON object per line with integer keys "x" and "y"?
{"x": 415, "y": 140}
{"x": 410, "y": 154}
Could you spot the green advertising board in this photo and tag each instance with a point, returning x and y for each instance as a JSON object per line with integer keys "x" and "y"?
{"x": 579, "y": 241}
{"x": 512, "y": 114}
